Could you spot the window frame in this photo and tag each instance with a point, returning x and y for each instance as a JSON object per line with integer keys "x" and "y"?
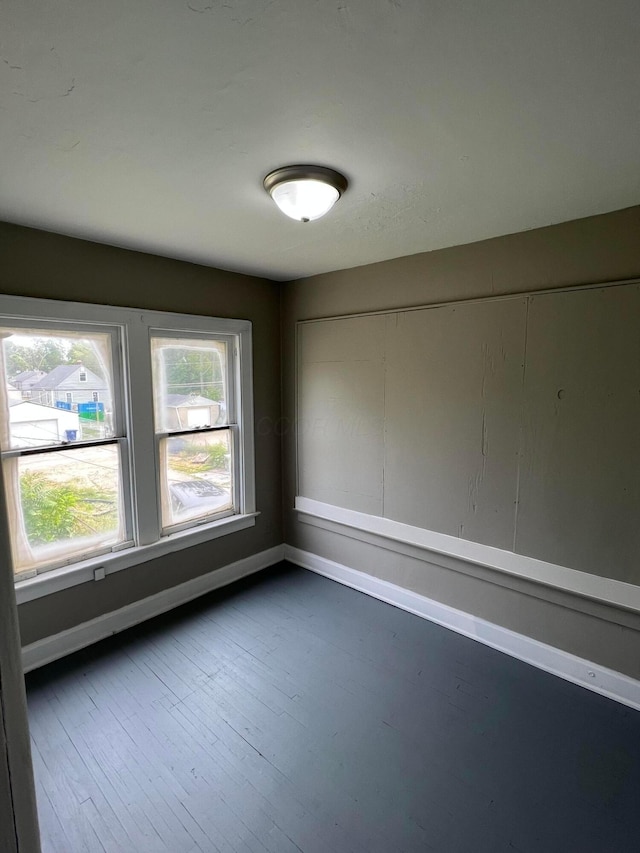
{"x": 141, "y": 471}
{"x": 232, "y": 424}
{"x": 120, "y": 438}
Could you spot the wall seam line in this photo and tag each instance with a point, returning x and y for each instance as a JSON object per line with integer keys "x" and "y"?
{"x": 384, "y": 408}
{"x": 521, "y": 430}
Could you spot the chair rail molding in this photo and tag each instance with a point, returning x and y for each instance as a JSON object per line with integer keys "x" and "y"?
{"x": 463, "y": 555}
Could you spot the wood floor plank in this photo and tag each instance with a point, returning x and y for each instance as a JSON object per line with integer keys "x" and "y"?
{"x": 288, "y": 714}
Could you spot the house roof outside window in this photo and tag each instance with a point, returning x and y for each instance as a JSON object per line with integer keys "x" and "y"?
{"x": 178, "y": 401}
{"x": 63, "y": 376}
{"x": 27, "y": 378}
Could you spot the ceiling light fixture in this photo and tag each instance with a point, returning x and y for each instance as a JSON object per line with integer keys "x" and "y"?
{"x": 305, "y": 192}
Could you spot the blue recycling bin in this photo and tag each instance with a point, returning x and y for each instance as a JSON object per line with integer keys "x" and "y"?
{"x": 71, "y": 434}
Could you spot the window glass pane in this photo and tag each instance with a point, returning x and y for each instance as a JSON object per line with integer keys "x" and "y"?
{"x": 46, "y": 400}
{"x": 196, "y": 477}
{"x": 70, "y": 504}
{"x": 189, "y": 383}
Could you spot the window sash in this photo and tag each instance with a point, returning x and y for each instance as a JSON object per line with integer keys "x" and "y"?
{"x": 22, "y": 548}
{"x": 128, "y": 539}
{"x": 231, "y": 427}
{"x": 231, "y": 373}
{"x": 10, "y": 460}
{"x": 66, "y": 326}
{"x": 163, "y": 484}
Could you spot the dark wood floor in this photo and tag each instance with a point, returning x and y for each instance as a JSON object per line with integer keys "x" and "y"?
{"x": 289, "y": 713}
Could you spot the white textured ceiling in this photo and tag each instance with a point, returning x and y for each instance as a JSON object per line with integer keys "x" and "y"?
{"x": 150, "y": 123}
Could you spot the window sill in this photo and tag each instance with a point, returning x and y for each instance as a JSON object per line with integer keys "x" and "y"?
{"x": 85, "y": 571}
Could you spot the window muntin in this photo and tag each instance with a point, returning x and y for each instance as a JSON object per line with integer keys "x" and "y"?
{"x": 194, "y": 415}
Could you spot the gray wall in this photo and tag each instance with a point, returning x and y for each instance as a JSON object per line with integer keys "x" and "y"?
{"x": 511, "y": 422}
{"x": 566, "y": 427}
{"x": 40, "y": 264}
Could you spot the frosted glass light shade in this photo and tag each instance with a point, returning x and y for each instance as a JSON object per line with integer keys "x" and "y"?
{"x": 305, "y": 193}
{"x": 305, "y": 200}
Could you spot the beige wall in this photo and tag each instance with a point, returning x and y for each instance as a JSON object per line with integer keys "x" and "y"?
{"x": 567, "y": 333}
{"x": 39, "y": 264}
{"x": 512, "y": 422}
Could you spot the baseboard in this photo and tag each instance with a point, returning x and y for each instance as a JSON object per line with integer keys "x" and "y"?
{"x": 51, "y": 648}
{"x": 594, "y": 677}
{"x": 590, "y": 675}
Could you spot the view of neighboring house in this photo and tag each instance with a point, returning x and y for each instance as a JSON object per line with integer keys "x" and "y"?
{"x": 70, "y": 384}
{"x": 191, "y": 410}
{"x": 33, "y": 424}
{"x": 13, "y": 393}
{"x": 24, "y": 381}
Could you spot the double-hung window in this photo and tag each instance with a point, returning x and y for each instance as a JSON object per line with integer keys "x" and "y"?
{"x": 156, "y": 454}
{"x": 195, "y": 426}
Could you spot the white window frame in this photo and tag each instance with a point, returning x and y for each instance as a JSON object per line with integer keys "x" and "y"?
{"x": 120, "y": 438}
{"x": 232, "y": 425}
{"x": 136, "y": 326}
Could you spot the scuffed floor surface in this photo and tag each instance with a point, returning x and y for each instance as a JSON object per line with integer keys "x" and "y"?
{"x": 289, "y": 713}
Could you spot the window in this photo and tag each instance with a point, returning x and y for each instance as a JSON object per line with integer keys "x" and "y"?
{"x": 82, "y": 376}
{"x": 160, "y": 458}
{"x": 194, "y": 425}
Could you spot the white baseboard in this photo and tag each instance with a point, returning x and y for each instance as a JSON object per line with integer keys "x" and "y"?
{"x": 594, "y": 677}
{"x": 51, "y": 648}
